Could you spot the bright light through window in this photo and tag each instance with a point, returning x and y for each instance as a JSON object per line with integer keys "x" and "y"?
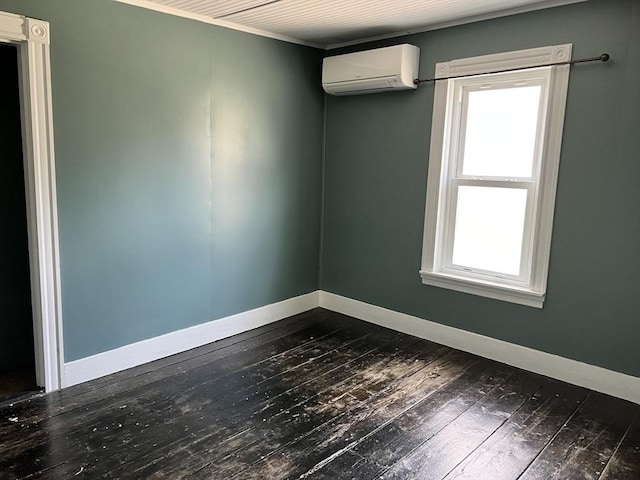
{"x": 489, "y": 228}
{"x": 501, "y": 131}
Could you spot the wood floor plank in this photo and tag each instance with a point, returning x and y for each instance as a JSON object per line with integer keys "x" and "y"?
{"x": 276, "y": 426}
{"x": 440, "y": 453}
{"x": 172, "y": 393}
{"x": 377, "y": 385}
{"x": 584, "y": 445}
{"x": 17, "y": 382}
{"x": 285, "y": 412}
{"x": 232, "y": 415}
{"x": 398, "y": 438}
{"x": 308, "y": 455}
{"x": 346, "y": 466}
{"x": 261, "y": 334}
{"x": 625, "y": 462}
{"x": 213, "y": 371}
{"x": 47, "y": 406}
{"x": 250, "y": 350}
{"x": 392, "y": 440}
{"x": 321, "y": 396}
{"x": 168, "y": 432}
{"x": 511, "y": 448}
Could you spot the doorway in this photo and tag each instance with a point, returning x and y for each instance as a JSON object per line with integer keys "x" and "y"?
{"x": 28, "y": 39}
{"x": 17, "y": 359}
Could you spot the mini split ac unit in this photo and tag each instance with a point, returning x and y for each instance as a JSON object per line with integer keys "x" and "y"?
{"x": 372, "y": 71}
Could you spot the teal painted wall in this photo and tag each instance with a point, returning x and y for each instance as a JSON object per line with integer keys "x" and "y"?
{"x": 188, "y": 170}
{"x": 375, "y": 185}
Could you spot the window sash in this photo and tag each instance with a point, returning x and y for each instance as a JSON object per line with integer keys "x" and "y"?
{"x": 447, "y": 231}
{"x": 462, "y": 120}
{"x": 463, "y": 87}
{"x": 453, "y": 177}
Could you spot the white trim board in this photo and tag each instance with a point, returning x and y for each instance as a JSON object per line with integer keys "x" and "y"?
{"x": 31, "y": 36}
{"x": 571, "y": 371}
{"x": 135, "y": 354}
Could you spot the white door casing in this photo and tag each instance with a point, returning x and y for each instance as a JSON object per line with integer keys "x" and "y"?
{"x": 31, "y": 37}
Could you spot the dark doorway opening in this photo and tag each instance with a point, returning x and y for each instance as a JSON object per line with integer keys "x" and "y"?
{"x": 17, "y": 361}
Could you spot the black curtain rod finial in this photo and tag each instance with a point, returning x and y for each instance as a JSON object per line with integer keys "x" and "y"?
{"x": 604, "y": 57}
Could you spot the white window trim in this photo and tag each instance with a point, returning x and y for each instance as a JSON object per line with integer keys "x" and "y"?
{"x": 533, "y": 293}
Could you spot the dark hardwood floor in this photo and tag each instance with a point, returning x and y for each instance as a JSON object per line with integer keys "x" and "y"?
{"x": 17, "y": 382}
{"x": 322, "y": 396}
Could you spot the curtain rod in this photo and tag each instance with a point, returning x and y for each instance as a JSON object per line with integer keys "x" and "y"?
{"x": 602, "y": 58}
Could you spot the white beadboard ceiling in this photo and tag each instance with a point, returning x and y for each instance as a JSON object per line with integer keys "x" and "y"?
{"x": 335, "y": 23}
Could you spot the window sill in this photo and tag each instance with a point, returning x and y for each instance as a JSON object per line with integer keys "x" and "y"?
{"x": 487, "y": 289}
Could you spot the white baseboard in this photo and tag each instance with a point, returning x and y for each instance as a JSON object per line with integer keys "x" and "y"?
{"x": 571, "y": 371}
{"x": 554, "y": 366}
{"x": 155, "y": 348}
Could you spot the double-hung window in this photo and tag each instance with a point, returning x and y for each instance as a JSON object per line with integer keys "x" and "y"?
{"x": 493, "y": 167}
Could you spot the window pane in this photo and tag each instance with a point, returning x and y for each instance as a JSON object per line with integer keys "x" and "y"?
{"x": 501, "y": 132}
{"x": 489, "y": 228}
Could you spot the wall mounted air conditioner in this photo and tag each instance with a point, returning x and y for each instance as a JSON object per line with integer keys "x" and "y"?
{"x": 372, "y": 71}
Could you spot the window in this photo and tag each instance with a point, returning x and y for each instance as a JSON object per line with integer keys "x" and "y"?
{"x": 493, "y": 167}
